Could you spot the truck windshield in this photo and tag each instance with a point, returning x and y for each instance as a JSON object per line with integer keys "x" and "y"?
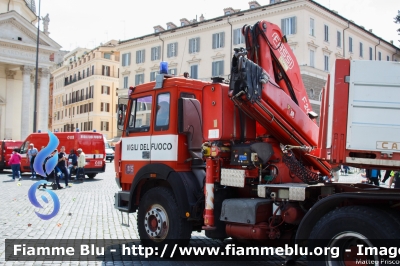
{"x": 24, "y": 147}
{"x": 107, "y": 145}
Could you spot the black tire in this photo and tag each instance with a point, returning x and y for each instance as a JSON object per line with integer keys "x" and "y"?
{"x": 158, "y": 207}
{"x": 91, "y": 176}
{"x": 345, "y": 228}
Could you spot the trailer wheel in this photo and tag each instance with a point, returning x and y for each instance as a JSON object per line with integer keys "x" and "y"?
{"x": 342, "y": 229}
{"x": 159, "y": 222}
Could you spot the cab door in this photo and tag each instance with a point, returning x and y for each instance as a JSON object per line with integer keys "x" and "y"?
{"x": 25, "y": 165}
{"x": 135, "y": 143}
{"x": 164, "y": 140}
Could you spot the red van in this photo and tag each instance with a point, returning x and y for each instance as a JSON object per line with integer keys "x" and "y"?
{"x": 7, "y": 147}
{"x": 91, "y": 143}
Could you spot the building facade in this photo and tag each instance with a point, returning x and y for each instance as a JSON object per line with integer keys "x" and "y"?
{"x": 84, "y": 90}
{"x": 318, "y": 36}
{"x": 18, "y": 38}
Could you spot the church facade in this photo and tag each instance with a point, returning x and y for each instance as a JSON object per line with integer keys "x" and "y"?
{"x": 18, "y": 38}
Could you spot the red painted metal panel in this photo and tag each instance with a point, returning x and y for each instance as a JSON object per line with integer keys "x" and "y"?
{"x": 340, "y": 111}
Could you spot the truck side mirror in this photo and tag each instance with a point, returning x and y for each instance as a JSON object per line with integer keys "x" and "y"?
{"x": 121, "y": 112}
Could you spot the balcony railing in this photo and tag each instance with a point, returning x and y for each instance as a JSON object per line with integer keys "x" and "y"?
{"x": 78, "y": 99}
{"x": 96, "y": 72}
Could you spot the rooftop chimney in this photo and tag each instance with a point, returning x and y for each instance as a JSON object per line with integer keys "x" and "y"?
{"x": 201, "y": 17}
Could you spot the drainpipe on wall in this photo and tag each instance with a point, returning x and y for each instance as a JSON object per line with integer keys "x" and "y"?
{"x": 231, "y": 38}
{"x": 162, "y": 47}
{"x": 379, "y": 42}
{"x": 344, "y": 46}
{"x": 8, "y": 6}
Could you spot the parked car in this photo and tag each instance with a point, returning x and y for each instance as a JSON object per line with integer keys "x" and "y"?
{"x": 109, "y": 152}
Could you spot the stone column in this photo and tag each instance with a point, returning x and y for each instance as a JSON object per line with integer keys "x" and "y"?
{"x": 43, "y": 103}
{"x": 26, "y": 99}
{"x": 9, "y": 116}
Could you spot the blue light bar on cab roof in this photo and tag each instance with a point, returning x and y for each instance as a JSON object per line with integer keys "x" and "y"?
{"x": 164, "y": 67}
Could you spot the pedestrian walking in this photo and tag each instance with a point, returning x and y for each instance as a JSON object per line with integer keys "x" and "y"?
{"x": 80, "y": 173}
{"x": 373, "y": 176}
{"x": 15, "y": 162}
{"x": 346, "y": 169}
{"x": 62, "y": 158}
{"x": 32, "y": 152}
{"x": 72, "y": 162}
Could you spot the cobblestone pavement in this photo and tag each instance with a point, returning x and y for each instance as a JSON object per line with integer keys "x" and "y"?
{"x": 86, "y": 212}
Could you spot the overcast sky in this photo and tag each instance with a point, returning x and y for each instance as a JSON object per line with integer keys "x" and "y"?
{"x": 86, "y": 23}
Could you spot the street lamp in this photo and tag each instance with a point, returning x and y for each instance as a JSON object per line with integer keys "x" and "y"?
{"x": 36, "y": 74}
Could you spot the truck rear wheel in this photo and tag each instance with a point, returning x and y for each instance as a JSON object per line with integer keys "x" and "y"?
{"x": 341, "y": 230}
{"x": 159, "y": 222}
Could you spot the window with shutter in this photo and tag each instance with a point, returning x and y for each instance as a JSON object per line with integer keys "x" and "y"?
{"x": 172, "y": 49}
{"x": 312, "y": 58}
{"x": 326, "y": 63}
{"x": 326, "y": 33}
{"x": 194, "y": 71}
{"x": 153, "y": 75}
{"x": 238, "y": 37}
{"x": 350, "y": 44}
{"x": 139, "y": 79}
{"x": 218, "y": 40}
{"x": 126, "y": 59}
{"x": 312, "y": 27}
{"x": 361, "y": 49}
{"x": 172, "y": 71}
{"x": 155, "y": 53}
{"x": 140, "y": 56}
{"x": 125, "y": 82}
{"x": 217, "y": 68}
{"x": 101, "y": 107}
{"x": 288, "y": 25}
{"x": 370, "y": 53}
{"x": 339, "y": 39}
{"x": 194, "y": 45}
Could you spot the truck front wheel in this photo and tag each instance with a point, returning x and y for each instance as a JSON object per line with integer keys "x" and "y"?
{"x": 159, "y": 222}
{"x": 343, "y": 231}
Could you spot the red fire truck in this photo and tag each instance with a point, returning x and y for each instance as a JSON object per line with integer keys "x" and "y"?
{"x": 247, "y": 159}
{"x": 91, "y": 143}
{"x": 7, "y": 147}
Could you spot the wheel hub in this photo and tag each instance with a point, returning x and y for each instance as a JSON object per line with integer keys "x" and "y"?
{"x": 156, "y": 222}
{"x": 349, "y": 241}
